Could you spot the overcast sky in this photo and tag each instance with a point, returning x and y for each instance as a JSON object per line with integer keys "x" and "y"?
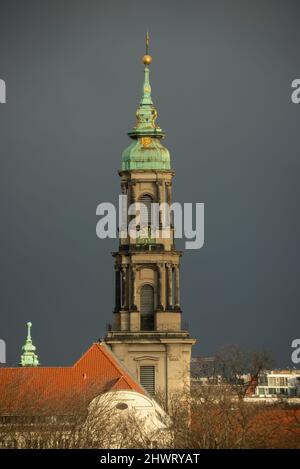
{"x": 221, "y": 81}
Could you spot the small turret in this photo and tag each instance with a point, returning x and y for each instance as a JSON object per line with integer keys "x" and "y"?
{"x": 29, "y": 357}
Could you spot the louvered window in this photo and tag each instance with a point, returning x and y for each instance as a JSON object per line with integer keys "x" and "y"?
{"x": 146, "y": 201}
{"x": 147, "y": 308}
{"x": 147, "y": 378}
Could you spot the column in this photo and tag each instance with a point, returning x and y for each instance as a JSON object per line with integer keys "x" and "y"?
{"x": 158, "y": 200}
{"x": 123, "y": 210}
{"x": 169, "y": 286}
{"x": 159, "y": 287}
{"x": 169, "y": 192}
{"x": 177, "y": 288}
{"x": 169, "y": 202}
{"x": 163, "y": 191}
{"x": 126, "y": 286}
{"x": 129, "y": 287}
{"x": 123, "y": 289}
{"x": 131, "y": 217}
{"x": 117, "y": 289}
{"x": 157, "y": 192}
{"x": 133, "y": 192}
{"x": 160, "y": 197}
{"x": 133, "y": 288}
{"x": 129, "y": 196}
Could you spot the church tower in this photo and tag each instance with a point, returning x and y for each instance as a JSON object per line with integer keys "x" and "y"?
{"x": 147, "y": 334}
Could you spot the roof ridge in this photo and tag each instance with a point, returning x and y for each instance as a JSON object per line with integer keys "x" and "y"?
{"x": 103, "y": 348}
{"x": 114, "y": 360}
{"x": 9, "y": 368}
{"x": 110, "y": 357}
{"x": 94, "y": 345}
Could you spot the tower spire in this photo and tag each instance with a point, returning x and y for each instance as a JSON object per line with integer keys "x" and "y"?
{"x": 146, "y": 113}
{"x": 147, "y": 59}
{"x": 29, "y": 357}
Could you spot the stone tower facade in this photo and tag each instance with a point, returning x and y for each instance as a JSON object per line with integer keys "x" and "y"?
{"x": 147, "y": 334}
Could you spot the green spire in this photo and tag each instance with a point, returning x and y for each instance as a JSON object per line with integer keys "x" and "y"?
{"x": 146, "y": 99}
{"x": 146, "y": 151}
{"x": 146, "y": 113}
{"x": 146, "y": 93}
{"x": 28, "y": 357}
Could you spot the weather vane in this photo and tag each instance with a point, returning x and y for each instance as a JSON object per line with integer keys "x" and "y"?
{"x": 147, "y": 59}
{"x": 147, "y": 42}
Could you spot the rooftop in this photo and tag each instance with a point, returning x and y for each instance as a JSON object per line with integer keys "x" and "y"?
{"x": 61, "y": 389}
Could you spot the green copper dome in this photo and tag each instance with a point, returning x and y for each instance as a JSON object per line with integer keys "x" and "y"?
{"x": 152, "y": 156}
{"x": 146, "y": 151}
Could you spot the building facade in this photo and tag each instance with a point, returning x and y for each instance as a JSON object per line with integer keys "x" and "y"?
{"x": 147, "y": 334}
{"x": 284, "y": 383}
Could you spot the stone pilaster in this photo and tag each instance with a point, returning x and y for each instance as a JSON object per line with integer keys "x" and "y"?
{"x": 123, "y": 283}
{"x": 169, "y": 286}
{"x": 117, "y": 289}
{"x": 177, "y": 287}
{"x": 159, "y": 287}
{"x": 133, "y": 288}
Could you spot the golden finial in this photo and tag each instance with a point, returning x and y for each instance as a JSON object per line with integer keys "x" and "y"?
{"x": 147, "y": 59}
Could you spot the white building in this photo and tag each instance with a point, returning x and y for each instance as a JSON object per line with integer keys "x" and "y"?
{"x": 279, "y": 383}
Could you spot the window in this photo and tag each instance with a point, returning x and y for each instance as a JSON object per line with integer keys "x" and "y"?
{"x": 147, "y": 308}
{"x": 121, "y": 406}
{"x": 147, "y": 378}
{"x": 146, "y": 201}
{"x": 282, "y": 381}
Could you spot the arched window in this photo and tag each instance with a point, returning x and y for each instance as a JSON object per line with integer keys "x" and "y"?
{"x": 146, "y": 201}
{"x": 147, "y": 308}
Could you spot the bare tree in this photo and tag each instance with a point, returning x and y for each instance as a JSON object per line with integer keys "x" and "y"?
{"x": 213, "y": 415}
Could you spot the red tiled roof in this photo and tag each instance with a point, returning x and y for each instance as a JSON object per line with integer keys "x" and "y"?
{"x": 45, "y": 390}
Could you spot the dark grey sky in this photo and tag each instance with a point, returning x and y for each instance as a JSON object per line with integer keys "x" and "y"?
{"x": 221, "y": 78}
